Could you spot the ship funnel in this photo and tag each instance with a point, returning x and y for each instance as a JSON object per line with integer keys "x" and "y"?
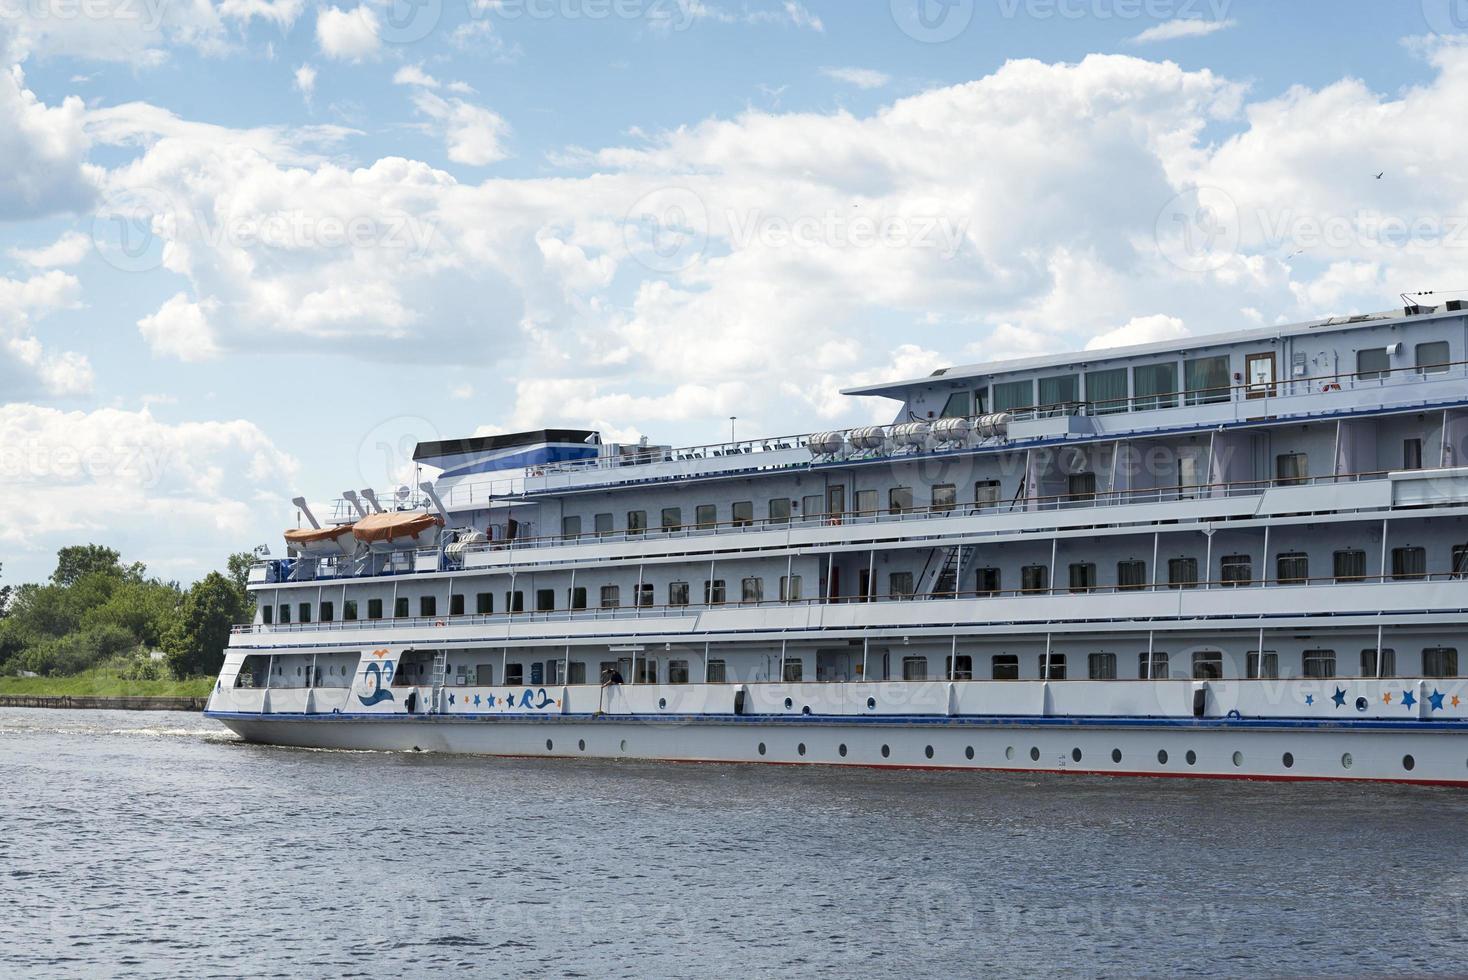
{"x": 370, "y": 496}
{"x": 350, "y": 496}
{"x": 302, "y": 506}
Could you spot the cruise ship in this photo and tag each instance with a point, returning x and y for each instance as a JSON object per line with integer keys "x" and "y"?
{"x": 1238, "y": 555}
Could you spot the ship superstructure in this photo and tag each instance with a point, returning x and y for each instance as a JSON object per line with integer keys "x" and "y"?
{"x": 1234, "y": 555}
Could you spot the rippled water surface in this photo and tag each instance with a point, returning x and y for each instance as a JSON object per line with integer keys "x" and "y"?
{"x": 157, "y": 843}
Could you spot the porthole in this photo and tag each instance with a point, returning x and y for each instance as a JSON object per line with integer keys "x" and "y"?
{"x": 871, "y": 703}
{"x": 1162, "y": 757}
{"x": 1346, "y": 761}
{"x": 1192, "y": 757}
{"x": 1116, "y": 756}
{"x": 789, "y": 703}
{"x": 1009, "y": 752}
{"x": 886, "y": 751}
{"x": 800, "y": 748}
{"x": 549, "y": 745}
{"x": 928, "y": 752}
{"x": 1034, "y": 754}
{"x": 762, "y": 748}
{"x": 1289, "y": 760}
{"x": 968, "y": 753}
{"x": 1238, "y": 759}
{"x": 581, "y": 745}
{"x": 1075, "y": 754}
{"x": 662, "y": 702}
{"x": 841, "y": 750}
{"x": 805, "y": 710}
{"x": 624, "y": 745}
{"x": 1409, "y": 763}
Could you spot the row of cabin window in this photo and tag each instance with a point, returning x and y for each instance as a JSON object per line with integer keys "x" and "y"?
{"x": 1205, "y": 380}
{"x": 1206, "y": 665}
{"x": 574, "y": 672}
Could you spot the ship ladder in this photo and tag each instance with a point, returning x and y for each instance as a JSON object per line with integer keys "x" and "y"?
{"x": 440, "y": 675}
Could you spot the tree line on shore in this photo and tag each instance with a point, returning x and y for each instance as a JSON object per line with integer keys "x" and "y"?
{"x": 95, "y": 612}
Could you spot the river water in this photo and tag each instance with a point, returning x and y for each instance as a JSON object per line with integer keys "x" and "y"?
{"x": 158, "y": 844}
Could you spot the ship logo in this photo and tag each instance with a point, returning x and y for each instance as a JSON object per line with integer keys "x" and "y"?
{"x": 378, "y": 676}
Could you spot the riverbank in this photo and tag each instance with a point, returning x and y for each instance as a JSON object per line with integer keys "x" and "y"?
{"x": 96, "y": 684}
{"x": 103, "y": 703}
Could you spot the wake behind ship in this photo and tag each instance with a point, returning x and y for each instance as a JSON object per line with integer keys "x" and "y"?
{"x": 1239, "y": 556}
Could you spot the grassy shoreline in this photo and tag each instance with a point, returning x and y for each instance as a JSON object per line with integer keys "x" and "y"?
{"x": 105, "y": 685}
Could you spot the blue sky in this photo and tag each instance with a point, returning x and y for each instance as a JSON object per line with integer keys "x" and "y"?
{"x": 646, "y": 216}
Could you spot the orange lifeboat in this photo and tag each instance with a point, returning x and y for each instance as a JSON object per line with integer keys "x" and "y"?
{"x": 398, "y": 530}
{"x": 326, "y": 542}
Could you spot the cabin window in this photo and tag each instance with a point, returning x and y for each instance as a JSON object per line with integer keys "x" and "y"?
{"x": 1292, "y": 566}
{"x": 1060, "y": 392}
{"x": 1291, "y": 469}
{"x": 1155, "y": 386}
{"x": 899, "y": 500}
{"x": 1131, "y": 574}
{"x": 1236, "y": 570}
{"x": 1440, "y": 662}
{"x": 1388, "y": 666}
{"x": 811, "y": 506}
{"x": 707, "y": 516}
{"x": 576, "y": 674}
{"x": 743, "y": 511}
{"x": 713, "y": 592}
{"x": 1460, "y": 561}
{"x": 899, "y": 585}
{"x": 1080, "y": 486}
{"x": 1082, "y": 576}
{"x": 677, "y": 593}
{"x": 304, "y": 609}
{"x": 1207, "y": 665}
{"x": 1319, "y": 663}
{"x": 986, "y": 493}
{"x": 1106, "y": 391}
{"x": 958, "y": 406}
{"x": 456, "y": 604}
{"x": 945, "y": 497}
{"x": 1052, "y": 666}
{"x": 571, "y": 527}
{"x": 349, "y": 610}
{"x": 603, "y": 524}
{"x": 374, "y": 608}
{"x": 752, "y": 589}
{"x": 677, "y": 672}
{"x": 267, "y": 614}
{"x": 1206, "y": 379}
{"x": 715, "y": 672}
{"x": 545, "y": 600}
{"x": 1271, "y": 665}
{"x": 484, "y": 603}
{"x": 1182, "y": 573}
{"x": 789, "y": 588}
{"x": 1005, "y": 667}
{"x": 644, "y": 595}
{"x": 577, "y": 597}
{"x": 780, "y": 510}
{"x": 1013, "y": 396}
{"x": 1407, "y": 563}
{"x": 1433, "y": 358}
{"x": 1159, "y": 666}
{"x": 1411, "y": 454}
{"x": 328, "y": 612}
{"x": 514, "y": 675}
{"x": 794, "y": 671}
{"x": 914, "y": 668}
{"x": 636, "y": 521}
{"x": 285, "y": 614}
{"x": 866, "y": 502}
{"x": 987, "y": 582}
{"x": 1372, "y": 363}
{"x": 611, "y": 596}
{"x": 1101, "y": 666}
{"x": 1350, "y": 565}
{"x": 672, "y": 518}
{"x": 484, "y": 675}
{"x": 961, "y": 670}
{"x": 515, "y": 601}
{"x": 1034, "y": 578}
{"x": 647, "y": 672}
{"x": 428, "y": 605}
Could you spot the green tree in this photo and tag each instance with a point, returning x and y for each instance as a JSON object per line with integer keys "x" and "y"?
{"x": 210, "y": 610}
{"x": 85, "y": 559}
{"x": 239, "y": 569}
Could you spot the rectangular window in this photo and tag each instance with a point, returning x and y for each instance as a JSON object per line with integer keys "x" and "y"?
{"x": 1271, "y": 665}
{"x": 866, "y": 503}
{"x": 1131, "y": 574}
{"x": 1182, "y": 573}
{"x": 713, "y": 592}
{"x": 1080, "y": 486}
{"x": 706, "y": 515}
{"x": 1060, "y": 392}
{"x": 1291, "y": 469}
{"x": 349, "y": 610}
{"x": 267, "y": 614}
{"x": 484, "y": 675}
{"x": 611, "y": 596}
{"x": 575, "y": 675}
{"x": 1411, "y": 454}
{"x": 428, "y": 605}
{"x": 677, "y": 593}
{"x": 780, "y": 510}
{"x": 677, "y": 672}
{"x": 899, "y": 585}
{"x": 1154, "y": 386}
{"x": 571, "y": 527}
{"x": 484, "y": 603}
{"x": 1388, "y": 665}
{"x": 515, "y": 601}
{"x": 1409, "y": 563}
{"x": 1106, "y": 391}
{"x": 1433, "y": 358}
{"x": 328, "y": 612}
{"x": 1206, "y": 379}
{"x": 716, "y": 672}
{"x": 1319, "y": 663}
{"x": 285, "y": 614}
{"x": 945, "y": 497}
{"x": 636, "y": 521}
{"x": 1012, "y": 396}
{"x": 644, "y": 595}
{"x": 672, "y": 519}
{"x": 986, "y": 493}
{"x": 456, "y": 604}
{"x": 1372, "y": 363}
{"x": 958, "y": 406}
{"x": 1082, "y": 576}
{"x": 1101, "y": 666}
{"x": 1159, "y": 666}
{"x": 1292, "y": 566}
{"x": 743, "y": 511}
{"x": 374, "y": 608}
{"x": 789, "y": 588}
{"x": 603, "y": 524}
{"x": 962, "y": 670}
{"x": 1440, "y": 662}
{"x": 1034, "y": 578}
{"x": 1052, "y": 666}
{"x": 1350, "y": 565}
{"x": 1207, "y": 665}
{"x": 305, "y": 611}
{"x": 987, "y": 583}
{"x": 545, "y": 600}
{"x": 1460, "y": 561}
{"x": 812, "y": 507}
{"x": 514, "y": 675}
{"x": 914, "y": 668}
{"x": 899, "y": 500}
{"x": 1236, "y": 570}
{"x": 577, "y": 597}
{"x": 400, "y": 608}
{"x": 752, "y": 589}
{"x": 1005, "y": 667}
